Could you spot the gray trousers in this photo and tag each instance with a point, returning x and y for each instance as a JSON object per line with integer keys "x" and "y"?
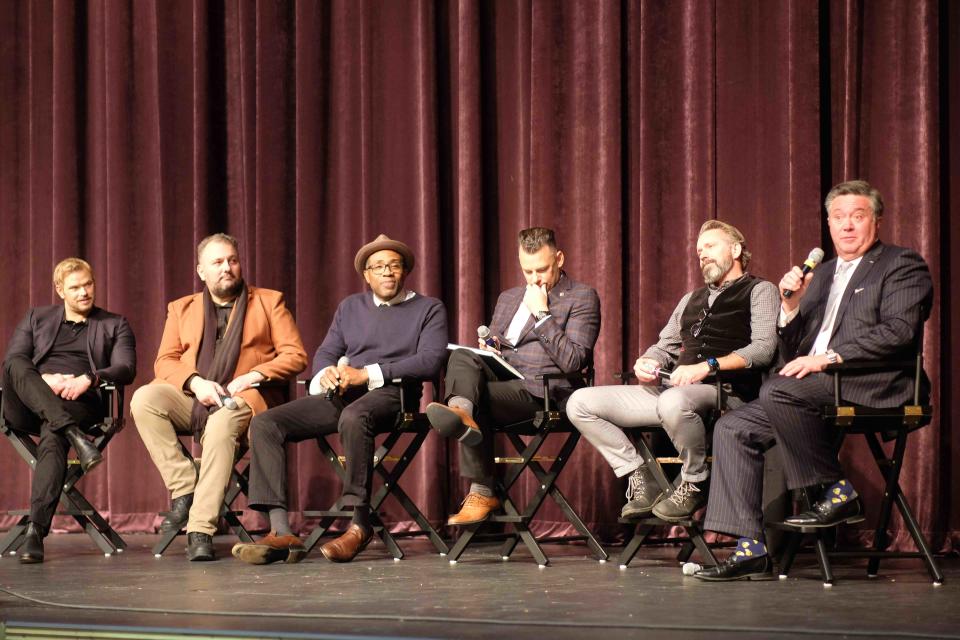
{"x": 601, "y": 414}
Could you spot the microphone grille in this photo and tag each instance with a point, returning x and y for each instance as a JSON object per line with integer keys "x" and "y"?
{"x": 483, "y": 332}
{"x": 816, "y": 256}
{"x": 344, "y": 361}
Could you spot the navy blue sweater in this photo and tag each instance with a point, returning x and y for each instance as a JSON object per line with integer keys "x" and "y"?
{"x": 407, "y": 340}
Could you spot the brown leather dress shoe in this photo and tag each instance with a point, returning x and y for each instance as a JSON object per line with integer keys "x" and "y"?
{"x": 454, "y": 422}
{"x": 271, "y": 548}
{"x": 475, "y": 508}
{"x": 346, "y": 547}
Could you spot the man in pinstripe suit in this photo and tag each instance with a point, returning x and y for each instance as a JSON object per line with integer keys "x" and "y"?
{"x": 867, "y": 304}
{"x": 548, "y": 326}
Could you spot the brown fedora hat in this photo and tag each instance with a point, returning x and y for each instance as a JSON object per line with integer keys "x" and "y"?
{"x": 380, "y": 244}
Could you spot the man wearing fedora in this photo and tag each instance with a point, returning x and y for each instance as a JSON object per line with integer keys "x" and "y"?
{"x": 377, "y": 336}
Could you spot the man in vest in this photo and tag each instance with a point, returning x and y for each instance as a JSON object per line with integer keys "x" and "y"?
{"x": 728, "y": 324}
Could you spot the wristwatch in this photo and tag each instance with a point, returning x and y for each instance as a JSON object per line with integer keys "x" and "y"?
{"x": 540, "y": 315}
{"x": 832, "y": 356}
{"x": 714, "y": 365}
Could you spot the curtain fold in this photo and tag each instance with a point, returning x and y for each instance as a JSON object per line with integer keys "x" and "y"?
{"x": 129, "y": 130}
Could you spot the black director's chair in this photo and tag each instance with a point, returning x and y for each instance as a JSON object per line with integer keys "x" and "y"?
{"x": 73, "y": 503}
{"x": 409, "y": 422}
{"x": 643, "y": 527}
{"x": 236, "y": 487}
{"x": 890, "y": 423}
{"x": 546, "y": 422}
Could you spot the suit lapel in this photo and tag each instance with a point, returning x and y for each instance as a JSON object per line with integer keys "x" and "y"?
{"x": 193, "y": 322}
{"x": 47, "y": 333}
{"x": 859, "y": 274}
{"x": 94, "y": 338}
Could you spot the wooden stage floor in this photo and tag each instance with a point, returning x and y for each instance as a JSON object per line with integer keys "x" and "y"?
{"x": 134, "y": 595}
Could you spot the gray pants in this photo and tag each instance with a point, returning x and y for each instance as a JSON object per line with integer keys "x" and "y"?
{"x": 601, "y": 414}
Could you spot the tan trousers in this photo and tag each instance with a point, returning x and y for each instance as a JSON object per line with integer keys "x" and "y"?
{"x": 161, "y": 411}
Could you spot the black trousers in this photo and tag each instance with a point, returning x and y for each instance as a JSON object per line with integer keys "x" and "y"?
{"x": 788, "y": 414}
{"x": 358, "y": 423}
{"x": 30, "y": 406}
{"x": 497, "y": 402}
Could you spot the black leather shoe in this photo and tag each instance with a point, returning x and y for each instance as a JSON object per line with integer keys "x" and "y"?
{"x": 31, "y": 550}
{"x": 87, "y": 453}
{"x": 758, "y": 568}
{"x": 827, "y": 513}
{"x": 179, "y": 513}
{"x": 199, "y": 547}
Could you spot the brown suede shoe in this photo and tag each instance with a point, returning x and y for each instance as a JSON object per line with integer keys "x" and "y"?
{"x": 475, "y": 508}
{"x": 346, "y": 547}
{"x": 271, "y": 548}
{"x": 454, "y": 422}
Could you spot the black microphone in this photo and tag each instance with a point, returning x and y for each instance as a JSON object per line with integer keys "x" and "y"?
{"x": 483, "y": 332}
{"x": 808, "y": 265}
{"x": 344, "y": 361}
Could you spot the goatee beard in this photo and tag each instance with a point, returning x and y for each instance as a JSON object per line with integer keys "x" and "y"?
{"x": 228, "y": 291}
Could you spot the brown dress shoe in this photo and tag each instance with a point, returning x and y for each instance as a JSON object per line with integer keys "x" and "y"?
{"x": 454, "y": 422}
{"x": 346, "y": 547}
{"x": 475, "y": 508}
{"x": 271, "y": 548}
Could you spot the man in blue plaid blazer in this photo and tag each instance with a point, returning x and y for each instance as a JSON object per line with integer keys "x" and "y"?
{"x": 550, "y": 325}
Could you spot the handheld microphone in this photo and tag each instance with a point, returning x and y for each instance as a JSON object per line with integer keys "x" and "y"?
{"x": 344, "y": 361}
{"x": 229, "y": 402}
{"x": 808, "y": 265}
{"x": 483, "y": 332}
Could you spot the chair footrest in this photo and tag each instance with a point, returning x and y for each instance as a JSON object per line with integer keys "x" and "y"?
{"x": 328, "y": 514}
{"x": 654, "y": 520}
{"x": 510, "y": 519}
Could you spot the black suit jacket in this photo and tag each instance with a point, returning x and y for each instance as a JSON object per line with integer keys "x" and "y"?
{"x": 880, "y": 318}
{"x": 111, "y": 347}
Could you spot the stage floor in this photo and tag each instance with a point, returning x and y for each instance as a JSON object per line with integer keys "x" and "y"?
{"x": 424, "y": 596}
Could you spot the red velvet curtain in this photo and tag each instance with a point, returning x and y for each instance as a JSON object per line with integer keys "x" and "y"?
{"x": 129, "y": 130}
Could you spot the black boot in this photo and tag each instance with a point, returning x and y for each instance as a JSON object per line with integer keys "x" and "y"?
{"x": 199, "y": 546}
{"x": 179, "y": 513}
{"x": 31, "y": 550}
{"x": 87, "y": 453}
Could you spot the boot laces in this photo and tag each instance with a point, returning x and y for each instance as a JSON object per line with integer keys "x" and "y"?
{"x": 684, "y": 491}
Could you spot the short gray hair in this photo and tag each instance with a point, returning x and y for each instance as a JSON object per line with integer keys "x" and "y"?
{"x": 217, "y": 237}
{"x": 857, "y": 188}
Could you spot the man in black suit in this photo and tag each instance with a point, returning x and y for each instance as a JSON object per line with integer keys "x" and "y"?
{"x": 54, "y": 364}
{"x": 867, "y": 304}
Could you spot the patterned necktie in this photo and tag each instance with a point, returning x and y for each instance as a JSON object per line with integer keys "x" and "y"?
{"x": 836, "y": 289}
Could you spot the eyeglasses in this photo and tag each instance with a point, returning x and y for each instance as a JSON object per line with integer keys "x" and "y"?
{"x": 380, "y": 269}
{"x": 698, "y": 325}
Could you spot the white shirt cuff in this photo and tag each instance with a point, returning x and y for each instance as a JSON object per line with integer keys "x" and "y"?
{"x": 541, "y": 321}
{"x": 375, "y": 376}
{"x": 785, "y": 318}
{"x": 315, "y": 389}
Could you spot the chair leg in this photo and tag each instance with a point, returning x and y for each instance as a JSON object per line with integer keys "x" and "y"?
{"x": 166, "y": 539}
{"x": 907, "y": 514}
{"x": 825, "y": 569}
{"x": 633, "y": 545}
{"x": 792, "y": 545}
{"x": 14, "y": 538}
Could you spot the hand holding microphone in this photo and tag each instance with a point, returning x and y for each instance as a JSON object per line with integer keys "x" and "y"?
{"x": 487, "y": 340}
{"x": 796, "y": 279}
{"x": 344, "y": 361}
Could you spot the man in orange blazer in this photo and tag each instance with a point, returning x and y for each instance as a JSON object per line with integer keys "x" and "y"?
{"x": 216, "y": 345}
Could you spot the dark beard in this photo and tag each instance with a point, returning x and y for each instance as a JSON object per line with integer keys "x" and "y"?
{"x": 228, "y": 292}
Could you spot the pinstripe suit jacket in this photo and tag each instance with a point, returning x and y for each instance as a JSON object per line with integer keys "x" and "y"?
{"x": 880, "y": 318}
{"x": 563, "y": 343}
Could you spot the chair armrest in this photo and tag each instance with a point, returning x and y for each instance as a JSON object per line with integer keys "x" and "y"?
{"x": 863, "y": 366}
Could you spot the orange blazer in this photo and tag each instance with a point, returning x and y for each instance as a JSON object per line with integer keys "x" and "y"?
{"x": 270, "y": 345}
